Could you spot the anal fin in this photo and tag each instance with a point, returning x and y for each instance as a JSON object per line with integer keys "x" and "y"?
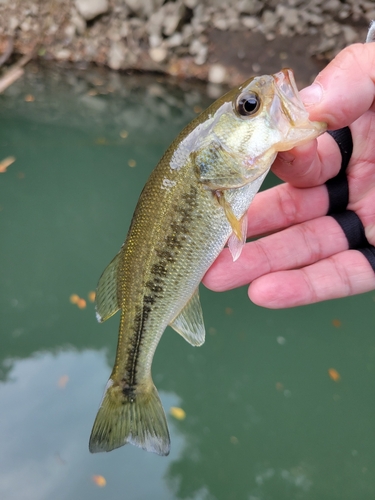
{"x": 189, "y": 322}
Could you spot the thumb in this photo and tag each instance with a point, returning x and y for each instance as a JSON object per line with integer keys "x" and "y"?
{"x": 345, "y": 89}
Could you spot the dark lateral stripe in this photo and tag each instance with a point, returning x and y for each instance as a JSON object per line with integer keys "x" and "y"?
{"x": 135, "y": 349}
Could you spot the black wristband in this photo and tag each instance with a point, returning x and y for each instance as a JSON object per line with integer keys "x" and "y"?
{"x": 369, "y": 253}
{"x": 338, "y": 188}
{"x": 353, "y": 229}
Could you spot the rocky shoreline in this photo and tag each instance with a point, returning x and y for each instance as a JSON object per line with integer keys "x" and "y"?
{"x": 212, "y": 40}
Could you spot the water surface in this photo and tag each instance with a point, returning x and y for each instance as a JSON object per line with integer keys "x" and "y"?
{"x": 264, "y": 420}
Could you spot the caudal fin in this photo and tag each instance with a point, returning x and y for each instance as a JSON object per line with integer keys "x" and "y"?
{"x": 140, "y": 421}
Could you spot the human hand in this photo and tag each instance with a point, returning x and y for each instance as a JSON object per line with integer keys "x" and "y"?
{"x": 307, "y": 258}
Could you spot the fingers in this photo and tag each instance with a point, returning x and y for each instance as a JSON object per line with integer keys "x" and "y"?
{"x": 344, "y": 274}
{"x": 306, "y": 166}
{"x": 283, "y": 206}
{"x": 344, "y": 90}
{"x": 292, "y": 248}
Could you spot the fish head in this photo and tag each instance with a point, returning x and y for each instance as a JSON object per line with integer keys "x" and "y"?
{"x": 261, "y": 117}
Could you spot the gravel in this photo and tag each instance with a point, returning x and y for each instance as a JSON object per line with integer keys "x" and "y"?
{"x": 174, "y": 37}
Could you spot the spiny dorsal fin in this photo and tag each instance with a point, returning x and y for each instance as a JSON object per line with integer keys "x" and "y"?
{"x": 189, "y": 323}
{"x": 107, "y": 300}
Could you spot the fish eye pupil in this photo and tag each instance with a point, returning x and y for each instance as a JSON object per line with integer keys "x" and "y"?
{"x": 248, "y": 104}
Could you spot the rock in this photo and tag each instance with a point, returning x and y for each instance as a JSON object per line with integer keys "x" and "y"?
{"x": 269, "y": 21}
{"x": 217, "y": 74}
{"x": 250, "y": 22}
{"x": 89, "y": 9}
{"x": 174, "y": 41}
{"x": 173, "y": 14}
{"x": 350, "y": 34}
{"x": 250, "y": 7}
{"x": 63, "y": 55}
{"x": 158, "y": 54}
{"x": 117, "y": 55}
{"x": 144, "y": 8}
{"x": 78, "y": 22}
{"x": 191, "y": 4}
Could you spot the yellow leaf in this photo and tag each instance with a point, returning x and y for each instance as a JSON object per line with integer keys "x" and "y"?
{"x": 178, "y": 413}
{"x": 99, "y": 481}
{"x": 334, "y": 374}
{"x": 4, "y": 164}
{"x": 91, "y": 296}
{"x": 63, "y": 380}
{"x": 81, "y": 303}
{"x": 74, "y": 298}
{"x": 132, "y": 163}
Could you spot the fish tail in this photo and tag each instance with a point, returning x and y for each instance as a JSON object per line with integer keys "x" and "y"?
{"x": 137, "y": 418}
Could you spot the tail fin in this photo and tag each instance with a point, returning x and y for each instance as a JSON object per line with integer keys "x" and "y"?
{"x": 140, "y": 422}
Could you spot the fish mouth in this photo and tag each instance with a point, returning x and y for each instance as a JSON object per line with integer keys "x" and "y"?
{"x": 298, "y": 129}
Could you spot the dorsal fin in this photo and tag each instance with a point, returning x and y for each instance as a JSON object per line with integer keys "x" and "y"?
{"x": 107, "y": 299}
{"x": 189, "y": 323}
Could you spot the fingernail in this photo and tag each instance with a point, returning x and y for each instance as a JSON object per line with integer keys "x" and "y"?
{"x": 312, "y": 94}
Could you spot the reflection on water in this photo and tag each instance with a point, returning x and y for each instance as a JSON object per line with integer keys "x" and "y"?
{"x": 264, "y": 420}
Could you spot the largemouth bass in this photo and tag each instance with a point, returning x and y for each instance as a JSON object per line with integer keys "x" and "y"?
{"x": 194, "y": 202}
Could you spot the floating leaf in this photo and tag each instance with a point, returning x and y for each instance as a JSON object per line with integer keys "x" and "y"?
{"x": 99, "y": 480}
{"x": 279, "y": 386}
{"x": 124, "y": 134}
{"x": 132, "y": 163}
{"x": 91, "y": 296}
{"x": 334, "y": 374}
{"x": 81, "y": 303}
{"x": 29, "y": 98}
{"x": 63, "y": 380}
{"x": 4, "y": 164}
{"x": 177, "y": 413}
{"x": 74, "y": 298}
{"x": 228, "y": 311}
{"x": 336, "y": 323}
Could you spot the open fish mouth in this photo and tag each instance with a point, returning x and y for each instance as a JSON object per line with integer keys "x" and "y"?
{"x": 289, "y": 113}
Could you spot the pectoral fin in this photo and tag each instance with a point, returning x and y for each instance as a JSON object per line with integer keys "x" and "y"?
{"x": 236, "y": 244}
{"x": 189, "y": 323}
{"x": 107, "y": 300}
{"x": 236, "y": 224}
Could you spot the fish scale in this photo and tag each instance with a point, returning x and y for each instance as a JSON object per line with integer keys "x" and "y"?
{"x": 194, "y": 202}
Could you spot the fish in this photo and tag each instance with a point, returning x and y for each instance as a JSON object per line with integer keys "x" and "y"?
{"x": 193, "y": 204}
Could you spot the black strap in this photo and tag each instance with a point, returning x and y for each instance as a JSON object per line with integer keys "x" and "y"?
{"x": 369, "y": 253}
{"x": 338, "y": 192}
{"x": 338, "y": 187}
{"x": 353, "y": 228}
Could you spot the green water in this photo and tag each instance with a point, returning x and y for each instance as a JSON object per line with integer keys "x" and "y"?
{"x": 264, "y": 421}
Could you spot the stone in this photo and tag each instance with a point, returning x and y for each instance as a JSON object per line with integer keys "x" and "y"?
{"x": 78, "y": 22}
{"x": 89, "y": 9}
{"x": 217, "y": 74}
{"x": 144, "y": 8}
{"x": 250, "y": 7}
{"x": 117, "y": 55}
{"x": 63, "y": 54}
{"x": 250, "y": 22}
{"x": 158, "y": 54}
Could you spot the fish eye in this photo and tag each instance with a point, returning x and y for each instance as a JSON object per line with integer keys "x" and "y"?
{"x": 248, "y": 104}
